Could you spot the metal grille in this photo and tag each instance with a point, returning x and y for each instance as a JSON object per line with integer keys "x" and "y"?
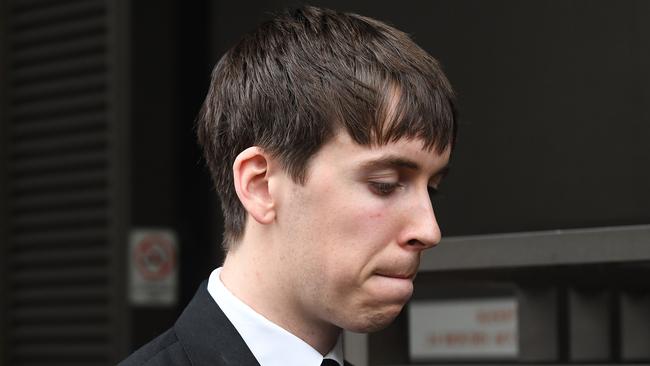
{"x": 58, "y": 228}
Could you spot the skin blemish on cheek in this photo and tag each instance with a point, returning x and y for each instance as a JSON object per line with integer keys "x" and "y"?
{"x": 376, "y": 215}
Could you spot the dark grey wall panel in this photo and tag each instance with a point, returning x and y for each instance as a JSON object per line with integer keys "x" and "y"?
{"x": 635, "y": 326}
{"x": 538, "y": 324}
{"x": 62, "y": 228}
{"x": 590, "y": 326}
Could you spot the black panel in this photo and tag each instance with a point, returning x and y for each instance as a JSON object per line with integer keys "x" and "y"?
{"x": 57, "y": 253}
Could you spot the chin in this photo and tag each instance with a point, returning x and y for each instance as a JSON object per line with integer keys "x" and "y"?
{"x": 373, "y": 320}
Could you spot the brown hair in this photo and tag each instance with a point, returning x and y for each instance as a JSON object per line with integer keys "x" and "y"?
{"x": 291, "y": 84}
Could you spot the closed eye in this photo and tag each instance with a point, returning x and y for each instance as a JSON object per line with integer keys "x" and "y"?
{"x": 383, "y": 188}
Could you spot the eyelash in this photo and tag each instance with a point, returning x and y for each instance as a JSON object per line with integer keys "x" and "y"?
{"x": 385, "y": 189}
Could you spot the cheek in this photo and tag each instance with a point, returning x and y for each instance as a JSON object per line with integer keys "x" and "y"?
{"x": 342, "y": 230}
{"x": 376, "y": 215}
{"x": 371, "y": 220}
{"x": 359, "y": 233}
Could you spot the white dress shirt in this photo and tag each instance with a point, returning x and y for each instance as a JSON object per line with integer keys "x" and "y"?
{"x": 271, "y": 344}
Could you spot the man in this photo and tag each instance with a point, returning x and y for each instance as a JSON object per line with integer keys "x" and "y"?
{"x": 326, "y": 134}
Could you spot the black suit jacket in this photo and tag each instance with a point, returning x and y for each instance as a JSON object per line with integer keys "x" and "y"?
{"x": 202, "y": 336}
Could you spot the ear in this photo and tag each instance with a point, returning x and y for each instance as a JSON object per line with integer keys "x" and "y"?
{"x": 250, "y": 172}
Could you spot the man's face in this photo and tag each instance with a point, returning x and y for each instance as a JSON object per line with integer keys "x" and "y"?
{"x": 352, "y": 235}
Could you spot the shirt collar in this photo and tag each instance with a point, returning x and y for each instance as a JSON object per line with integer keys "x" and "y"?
{"x": 271, "y": 344}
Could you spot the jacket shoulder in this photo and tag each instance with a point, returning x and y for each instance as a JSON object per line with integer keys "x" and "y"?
{"x": 165, "y": 350}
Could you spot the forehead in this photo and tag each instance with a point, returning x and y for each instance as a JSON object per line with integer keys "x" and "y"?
{"x": 342, "y": 150}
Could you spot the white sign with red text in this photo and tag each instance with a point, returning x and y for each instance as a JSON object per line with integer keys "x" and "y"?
{"x": 153, "y": 273}
{"x": 483, "y": 328}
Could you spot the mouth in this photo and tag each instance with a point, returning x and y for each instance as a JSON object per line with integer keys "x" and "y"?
{"x": 400, "y": 276}
{"x": 392, "y": 283}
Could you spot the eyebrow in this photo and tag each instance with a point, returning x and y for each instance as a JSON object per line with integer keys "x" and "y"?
{"x": 400, "y": 162}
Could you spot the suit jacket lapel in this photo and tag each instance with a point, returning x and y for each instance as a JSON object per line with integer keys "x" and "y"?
{"x": 207, "y": 335}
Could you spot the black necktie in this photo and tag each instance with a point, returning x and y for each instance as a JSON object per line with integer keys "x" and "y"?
{"x": 329, "y": 362}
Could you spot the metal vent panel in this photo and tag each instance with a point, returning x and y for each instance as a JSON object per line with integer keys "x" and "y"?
{"x": 58, "y": 250}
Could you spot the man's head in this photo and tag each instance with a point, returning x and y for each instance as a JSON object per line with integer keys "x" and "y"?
{"x": 309, "y": 76}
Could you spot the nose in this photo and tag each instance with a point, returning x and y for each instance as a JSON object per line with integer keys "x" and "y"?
{"x": 422, "y": 230}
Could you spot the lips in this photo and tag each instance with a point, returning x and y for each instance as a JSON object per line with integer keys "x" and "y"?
{"x": 403, "y": 269}
{"x": 398, "y": 275}
{"x": 393, "y": 285}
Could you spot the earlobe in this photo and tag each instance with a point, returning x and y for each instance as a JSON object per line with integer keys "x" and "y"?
{"x": 250, "y": 172}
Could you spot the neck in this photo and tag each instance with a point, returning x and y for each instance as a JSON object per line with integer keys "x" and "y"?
{"x": 251, "y": 273}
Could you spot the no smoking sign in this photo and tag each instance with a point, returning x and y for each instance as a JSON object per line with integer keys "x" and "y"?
{"x": 153, "y": 267}
{"x": 155, "y": 257}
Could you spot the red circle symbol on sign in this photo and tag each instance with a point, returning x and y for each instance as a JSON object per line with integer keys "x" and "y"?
{"x": 154, "y": 257}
